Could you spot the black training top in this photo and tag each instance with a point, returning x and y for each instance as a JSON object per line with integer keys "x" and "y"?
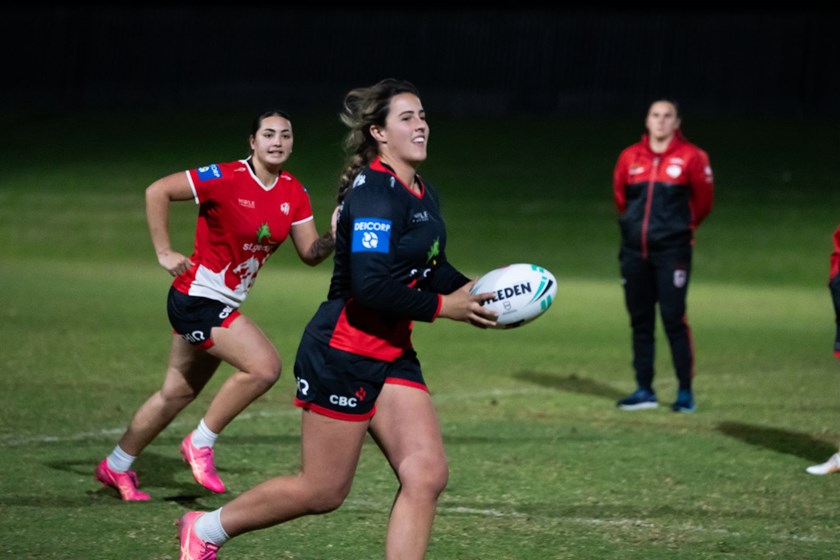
{"x": 390, "y": 266}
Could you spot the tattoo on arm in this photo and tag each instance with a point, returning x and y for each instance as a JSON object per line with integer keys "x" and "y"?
{"x": 322, "y": 247}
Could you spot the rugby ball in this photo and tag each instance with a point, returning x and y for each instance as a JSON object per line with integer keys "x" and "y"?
{"x": 521, "y": 293}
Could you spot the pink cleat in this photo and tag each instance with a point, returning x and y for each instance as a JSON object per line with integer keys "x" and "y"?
{"x": 192, "y": 547}
{"x": 125, "y": 482}
{"x": 202, "y": 465}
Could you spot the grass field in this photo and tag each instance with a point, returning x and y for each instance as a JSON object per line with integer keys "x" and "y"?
{"x": 543, "y": 466}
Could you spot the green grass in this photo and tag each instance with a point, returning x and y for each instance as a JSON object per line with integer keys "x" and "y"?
{"x": 542, "y": 464}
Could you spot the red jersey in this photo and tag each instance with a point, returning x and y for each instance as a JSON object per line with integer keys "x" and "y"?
{"x": 835, "y": 256}
{"x": 241, "y": 222}
{"x": 662, "y": 198}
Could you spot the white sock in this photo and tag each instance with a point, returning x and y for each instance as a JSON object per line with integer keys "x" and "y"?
{"x": 203, "y": 436}
{"x": 209, "y": 528}
{"x": 119, "y": 460}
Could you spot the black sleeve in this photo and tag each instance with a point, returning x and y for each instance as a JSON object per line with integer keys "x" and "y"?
{"x": 372, "y": 283}
{"x": 446, "y": 278}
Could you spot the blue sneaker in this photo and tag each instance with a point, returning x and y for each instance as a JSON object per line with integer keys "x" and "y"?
{"x": 639, "y": 400}
{"x": 684, "y": 402}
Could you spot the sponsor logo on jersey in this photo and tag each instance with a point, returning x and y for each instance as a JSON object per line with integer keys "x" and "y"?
{"x": 434, "y": 251}
{"x": 680, "y": 277}
{"x": 359, "y": 180}
{"x": 209, "y": 172}
{"x": 371, "y": 235}
{"x": 194, "y": 337}
{"x": 263, "y": 233}
{"x": 341, "y": 400}
{"x": 255, "y": 247}
{"x": 247, "y": 203}
{"x": 636, "y": 169}
{"x": 420, "y": 217}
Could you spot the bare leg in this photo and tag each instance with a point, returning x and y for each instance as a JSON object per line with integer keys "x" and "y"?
{"x": 406, "y": 428}
{"x": 245, "y": 347}
{"x": 330, "y": 452}
{"x": 188, "y": 371}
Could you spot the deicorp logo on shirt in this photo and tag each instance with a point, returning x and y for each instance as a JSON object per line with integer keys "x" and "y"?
{"x": 209, "y": 172}
{"x": 371, "y": 235}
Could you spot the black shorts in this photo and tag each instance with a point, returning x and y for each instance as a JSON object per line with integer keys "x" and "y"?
{"x": 194, "y": 317}
{"x": 345, "y": 386}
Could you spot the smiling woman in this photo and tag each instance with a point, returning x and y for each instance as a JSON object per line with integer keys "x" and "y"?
{"x": 356, "y": 369}
{"x": 247, "y": 208}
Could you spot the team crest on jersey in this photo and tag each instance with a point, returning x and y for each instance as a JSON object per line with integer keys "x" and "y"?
{"x": 209, "y": 172}
{"x": 679, "y": 278}
{"x": 371, "y": 235}
{"x": 285, "y": 208}
{"x": 674, "y": 171}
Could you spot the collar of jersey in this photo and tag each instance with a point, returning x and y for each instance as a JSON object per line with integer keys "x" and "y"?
{"x": 379, "y": 165}
{"x": 253, "y": 173}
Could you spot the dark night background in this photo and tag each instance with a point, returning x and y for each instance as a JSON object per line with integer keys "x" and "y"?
{"x": 575, "y": 61}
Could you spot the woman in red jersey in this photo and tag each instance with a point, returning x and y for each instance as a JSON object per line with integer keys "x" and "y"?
{"x": 247, "y": 208}
{"x": 833, "y": 463}
{"x": 663, "y": 191}
{"x": 356, "y": 370}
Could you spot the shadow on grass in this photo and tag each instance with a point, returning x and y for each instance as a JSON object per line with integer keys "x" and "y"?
{"x": 783, "y": 441}
{"x": 154, "y": 471}
{"x": 571, "y": 383}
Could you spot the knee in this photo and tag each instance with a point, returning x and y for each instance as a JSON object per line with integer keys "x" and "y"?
{"x": 176, "y": 399}
{"x": 424, "y": 475}
{"x": 674, "y": 323}
{"x": 267, "y": 373}
{"x": 325, "y": 500}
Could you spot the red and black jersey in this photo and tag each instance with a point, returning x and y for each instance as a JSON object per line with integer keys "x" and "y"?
{"x": 662, "y": 198}
{"x": 241, "y": 222}
{"x": 390, "y": 266}
{"x": 834, "y": 269}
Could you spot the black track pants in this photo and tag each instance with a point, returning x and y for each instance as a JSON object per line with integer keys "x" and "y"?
{"x": 661, "y": 278}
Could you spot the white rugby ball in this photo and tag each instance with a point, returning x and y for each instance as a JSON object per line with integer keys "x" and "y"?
{"x": 521, "y": 293}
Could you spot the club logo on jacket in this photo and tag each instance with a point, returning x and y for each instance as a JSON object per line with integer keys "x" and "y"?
{"x": 674, "y": 171}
